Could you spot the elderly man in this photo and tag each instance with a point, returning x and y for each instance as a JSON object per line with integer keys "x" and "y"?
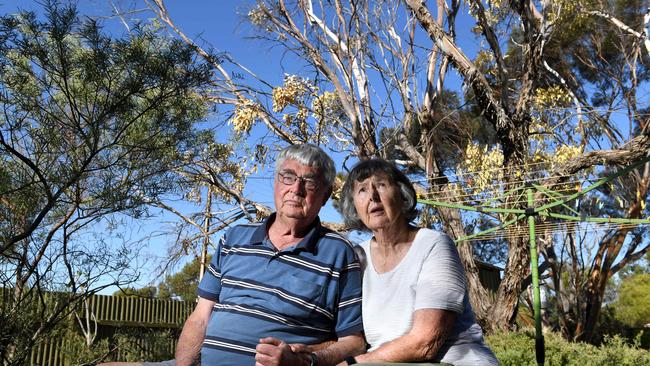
{"x": 282, "y": 281}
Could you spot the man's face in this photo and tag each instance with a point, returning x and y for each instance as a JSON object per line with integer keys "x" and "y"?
{"x": 296, "y": 201}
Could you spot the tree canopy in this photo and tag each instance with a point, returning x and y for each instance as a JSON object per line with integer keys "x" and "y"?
{"x": 633, "y": 298}
{"x": 91, "y": 126}
{"x": 182, "y": 284}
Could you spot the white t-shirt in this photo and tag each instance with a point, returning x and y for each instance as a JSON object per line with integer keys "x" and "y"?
{"x": 430, "y": 276}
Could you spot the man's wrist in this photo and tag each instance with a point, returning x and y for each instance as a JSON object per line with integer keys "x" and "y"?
{"x": 350, "y": 360}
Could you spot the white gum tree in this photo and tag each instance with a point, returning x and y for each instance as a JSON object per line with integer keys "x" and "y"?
{"x": 554, "y": 92}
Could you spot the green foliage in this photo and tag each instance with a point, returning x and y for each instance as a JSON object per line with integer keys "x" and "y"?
{"x": 609, "y": 325}
{"x": 141, "y": 344}
{"x": 183, "y": 284}
{"x": 148, "y": 292}
{"x": 517, "y": 348}
{"x": 91, "y": 126}
{"x": 638, "y": 267}
{"x": 125, "y": 345}
{"x": 90, "y": 120}
{"x": 76, "y": 352}
{"x": 633, "y": 298}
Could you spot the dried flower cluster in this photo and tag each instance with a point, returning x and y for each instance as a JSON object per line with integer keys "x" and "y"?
{"x": 553, "y": 97}
{"x": 326, "y": 105}
{"x": 246, "y": 113}
{"x": 293, "y": 92}
{"x": 484, "y": 166}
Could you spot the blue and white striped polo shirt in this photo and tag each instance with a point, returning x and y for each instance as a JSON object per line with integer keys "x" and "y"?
{"x": 307, "y": 293}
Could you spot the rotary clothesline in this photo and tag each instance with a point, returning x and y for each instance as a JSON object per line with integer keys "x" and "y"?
{"x": 555, "y": 200}
{"x": 523, "y": 232}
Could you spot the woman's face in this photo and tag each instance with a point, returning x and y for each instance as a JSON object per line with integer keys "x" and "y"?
{"x": 378, "y": 201}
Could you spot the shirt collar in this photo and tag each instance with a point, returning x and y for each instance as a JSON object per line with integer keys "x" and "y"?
{"x": 307, "y": 243}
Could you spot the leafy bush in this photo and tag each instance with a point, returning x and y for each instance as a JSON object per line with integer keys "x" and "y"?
{"x": 131, "y": 344}
{"x": 142, "y": 344}
{"x": 518, "y": 348}
{"x": 76, "y": 352}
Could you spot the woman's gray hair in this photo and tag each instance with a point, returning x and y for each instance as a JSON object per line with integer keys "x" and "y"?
{"x": 366, "y": 169}
{"x": 311, "y": 156}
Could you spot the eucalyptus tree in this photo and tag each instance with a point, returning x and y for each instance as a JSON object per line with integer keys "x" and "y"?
{"x": 549, "y": 92}
{"x": 91, "y": 126}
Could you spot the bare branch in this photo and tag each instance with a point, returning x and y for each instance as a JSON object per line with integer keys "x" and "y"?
{"x": 641, "y": 36}
{"x": 634, "y": 150}
{"x": 472, "y": 75}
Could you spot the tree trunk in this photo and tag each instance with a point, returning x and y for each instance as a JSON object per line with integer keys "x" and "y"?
{"x": 514, "y": 143}
{"x": 206, "y": 239}
{"x": 453, "y": 225}
{"x": 504, "y": 310}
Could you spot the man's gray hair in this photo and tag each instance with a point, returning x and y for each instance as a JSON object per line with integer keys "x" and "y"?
{"x": 311, "y": 156}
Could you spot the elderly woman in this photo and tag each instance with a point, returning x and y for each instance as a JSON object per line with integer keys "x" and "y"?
{"x": 415, "y": 300}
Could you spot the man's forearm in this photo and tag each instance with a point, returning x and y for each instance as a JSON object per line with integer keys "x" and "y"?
{"x": 338, "y": 351}
{"x": 189, "y": 343}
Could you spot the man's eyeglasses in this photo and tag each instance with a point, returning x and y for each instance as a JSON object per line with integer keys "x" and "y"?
{"x": 290, "y": 178}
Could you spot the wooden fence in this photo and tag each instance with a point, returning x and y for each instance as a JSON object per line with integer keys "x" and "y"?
{"x": 118, "y": 312}
{"x": 137, "y": 311}
{"x": 53, "y": 352}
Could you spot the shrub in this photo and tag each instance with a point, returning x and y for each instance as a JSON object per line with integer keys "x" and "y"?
{"x": 518, "y": 348}
{"x": 131, "y": 344}
{"x": 142, "y": 344}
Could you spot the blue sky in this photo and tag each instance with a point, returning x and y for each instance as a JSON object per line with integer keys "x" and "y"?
{"x": 216, "y": 25}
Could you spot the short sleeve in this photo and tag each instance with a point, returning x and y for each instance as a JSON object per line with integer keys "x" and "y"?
{"x": 210, "y": 285}
{"x": 348, "y": 319}
{"x": 442, "y": 283}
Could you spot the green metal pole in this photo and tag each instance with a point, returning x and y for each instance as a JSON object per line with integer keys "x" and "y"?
{"x": 534, "y": 267}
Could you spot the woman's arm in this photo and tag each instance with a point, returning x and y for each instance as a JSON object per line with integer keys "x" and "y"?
{"x": 428, "y": 333}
